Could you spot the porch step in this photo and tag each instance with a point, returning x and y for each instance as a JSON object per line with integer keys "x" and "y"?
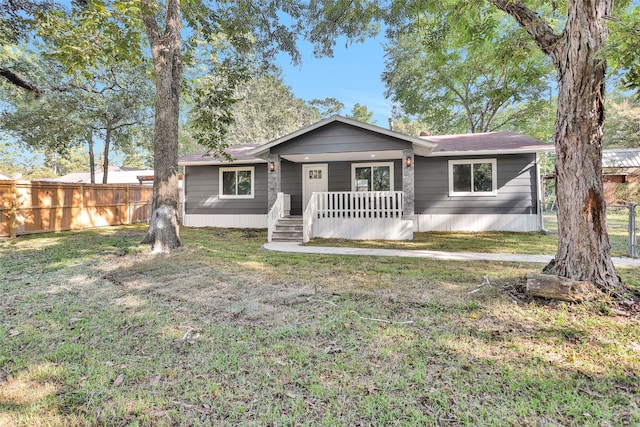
{"x": 288, "y": 229}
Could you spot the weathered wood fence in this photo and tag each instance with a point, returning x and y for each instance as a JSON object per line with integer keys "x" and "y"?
{"x": 39, "y": 206}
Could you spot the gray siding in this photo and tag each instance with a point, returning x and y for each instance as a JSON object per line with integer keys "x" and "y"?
{"x": 338, "y": 138}
{"x": 291, "y": 183}
{"x": 516, "y": 187}
{"x": 201, "y": 191}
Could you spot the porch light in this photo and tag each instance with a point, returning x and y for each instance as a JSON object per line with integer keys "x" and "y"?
{"x": 407, "y": 162}
{"x": 272, "y": 166}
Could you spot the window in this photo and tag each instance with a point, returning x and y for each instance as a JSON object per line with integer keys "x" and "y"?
{"x": 236, "y": 183}
{"x": 473, "y": 177}
{"x": 372, "y": 176}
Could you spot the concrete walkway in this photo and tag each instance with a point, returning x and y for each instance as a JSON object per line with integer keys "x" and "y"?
{"x": 459, "y": 256}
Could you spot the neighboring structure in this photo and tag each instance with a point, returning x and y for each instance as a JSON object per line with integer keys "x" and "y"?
{"x": 353, "y": 180}
{"x": 5, "y": 178}
{"x": 116, "y": 175}
{"x": 621, "y": 175}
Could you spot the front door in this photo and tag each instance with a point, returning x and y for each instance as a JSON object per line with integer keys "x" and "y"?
{"x": 314, "y": 179}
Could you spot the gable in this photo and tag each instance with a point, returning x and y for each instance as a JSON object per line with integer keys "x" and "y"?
{"x": 338, "y": 137}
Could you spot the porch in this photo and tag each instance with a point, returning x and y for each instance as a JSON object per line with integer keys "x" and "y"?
{"x": 356, "y": 215}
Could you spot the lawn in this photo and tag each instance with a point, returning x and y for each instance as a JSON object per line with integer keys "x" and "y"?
{"x": 95, "y": 331}
{"x": 535, "y": 243}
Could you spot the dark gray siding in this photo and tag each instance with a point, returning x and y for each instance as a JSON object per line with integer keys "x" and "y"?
{"x": 291, "y": 183}
{"x": 338, "y": 138}
{"x": 516, "y": 187}
{"x": 201, "y": 191}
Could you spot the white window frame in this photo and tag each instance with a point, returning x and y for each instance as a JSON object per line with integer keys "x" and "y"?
{"x": 354, "y": 186}
{"x": 494, "y": 178}
{"x": 251, "y": 169}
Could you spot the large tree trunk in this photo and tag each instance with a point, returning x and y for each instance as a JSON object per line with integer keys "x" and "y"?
{"x": 163, "y": 233}
{"x": 583, "y": 243}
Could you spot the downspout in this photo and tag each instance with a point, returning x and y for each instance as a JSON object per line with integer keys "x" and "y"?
{"x": 539, "y": 194}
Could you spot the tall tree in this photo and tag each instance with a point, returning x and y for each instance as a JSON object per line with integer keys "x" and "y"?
{"x": 237, "y": 30}
{"x": 109, "y": 105}
{"x": 488, "y": 78}
{"x": 109, "y": 31}
{"x": 166, "y": 51}
{"x": 583, "y": 241}
{"x": 573, "y": 35}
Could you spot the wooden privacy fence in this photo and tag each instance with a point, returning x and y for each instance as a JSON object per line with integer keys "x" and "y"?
{"x": 38, "y": 206}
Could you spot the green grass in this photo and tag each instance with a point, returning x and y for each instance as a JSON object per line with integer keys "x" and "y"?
{"x": 534, "y": 243}
{"x": 95, "y": 331}
{"x": 450, "y": 241}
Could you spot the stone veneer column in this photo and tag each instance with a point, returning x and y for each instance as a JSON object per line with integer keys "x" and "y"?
{"x": 408, "y": 185}
{"x": 274, "y": 179}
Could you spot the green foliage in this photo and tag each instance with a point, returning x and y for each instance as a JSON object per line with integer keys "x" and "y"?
{"x": 266, "y": 110}
{"x": 76, "y": 160}
{"x": 327, "y": 107}
{"x": 214, "y": 97}
{"x": 408, "y": 126}
{"x": 466, "y": 70}
{"x": 16, "y": 18}
{"x": 111, "y": 103}
{"x": 92, "y": 34}
{"x": 137, "y": 160}
{"x": 623, "y": 47}
{"x": 20, "y": 162}
{"x": 622, "y": 124}
{"x": 361, "y": 114}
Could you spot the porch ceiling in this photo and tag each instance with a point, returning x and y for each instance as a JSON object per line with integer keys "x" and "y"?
{"x": 359, "y": 156}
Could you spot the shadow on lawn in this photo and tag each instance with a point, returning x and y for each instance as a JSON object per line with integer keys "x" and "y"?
{"x": 222, "y": 332}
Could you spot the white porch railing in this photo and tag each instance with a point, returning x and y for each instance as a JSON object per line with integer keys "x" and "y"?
{"x": 308, "y": 216}
{"x": 276, "y": 212}
{"x": 352, "y": 205}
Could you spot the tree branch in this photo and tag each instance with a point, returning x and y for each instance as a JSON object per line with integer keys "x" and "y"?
{"x": 538, "y": 29}
{"x": 18, "y": 81}
{"x": 150, "y": 24}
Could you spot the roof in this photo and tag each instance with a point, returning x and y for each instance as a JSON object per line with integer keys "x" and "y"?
{"x": 442, "y": 145}
{"x": 5, "y": 178}
{"x": 485, "y": 143}
{"x": 420, "y": 146}
{"x": 241, "y": 154}
{"x": 113, "y": 177}
{"x": 621, "y": 158}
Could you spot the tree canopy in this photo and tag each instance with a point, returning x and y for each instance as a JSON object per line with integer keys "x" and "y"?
{"x": 361, "y": 114}
{"x": 460, "y": 74}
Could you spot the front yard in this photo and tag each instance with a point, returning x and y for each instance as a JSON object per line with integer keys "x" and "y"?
{"x": 94, "y": 331}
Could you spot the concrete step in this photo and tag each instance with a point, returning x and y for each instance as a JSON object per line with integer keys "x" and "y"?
{"x": 288, "y": 229}
{"x": 286, "y": 239}
{"x": 290, "y": 221}
{"x": 281, "y": 233}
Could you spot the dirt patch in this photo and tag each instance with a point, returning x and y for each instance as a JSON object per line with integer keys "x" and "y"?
{"x": 207, "y": 288}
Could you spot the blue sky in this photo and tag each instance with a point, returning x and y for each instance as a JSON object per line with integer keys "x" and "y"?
{"x": 352, "y": 76}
